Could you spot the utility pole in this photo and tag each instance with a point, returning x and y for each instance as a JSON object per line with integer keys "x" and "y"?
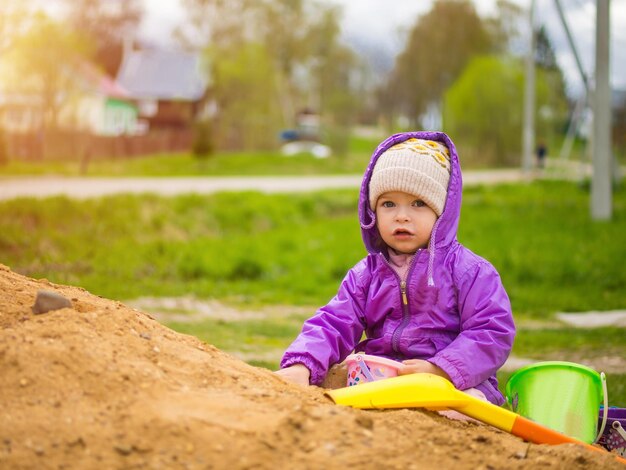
{"x": 601, "y": 190}
{"x": 572, "y": 45}
{"x": 583, "y": 101}
{"x": 528, "y": 134}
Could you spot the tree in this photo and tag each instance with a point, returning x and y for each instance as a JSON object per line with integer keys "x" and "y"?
{"x": 202, "y": 146}
{"x": 4, "y": 150}
{"x": 439, "y": 47}
{"x": 14, "y": 20}
{"x": 485, "y": 116}
{"x": 332, "y": 69}
{"x": 506, "y": 28}
{"x": 553, "y": 99}
{"x": 244, "y": 78}
{"x": 301, "y": 61}
{"x": 285, "y": 27}
{"x": 108, "y": 24}
{"x": 42, "y": 62}
{"x": 545, "y": 57}
{"x": 243, "y": 86}
{"x": 218, "y": 23}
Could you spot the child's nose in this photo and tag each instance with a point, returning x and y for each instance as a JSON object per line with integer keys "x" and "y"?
{"x": 402, "y": 214}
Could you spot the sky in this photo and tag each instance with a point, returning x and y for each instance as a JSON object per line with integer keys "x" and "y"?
{"x": 362, "y": 27}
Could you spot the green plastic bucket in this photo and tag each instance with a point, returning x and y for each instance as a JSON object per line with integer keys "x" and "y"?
{"x": 563, "y": 396}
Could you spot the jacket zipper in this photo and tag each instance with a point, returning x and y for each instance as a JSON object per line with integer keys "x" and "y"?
{"x": 395, "y": 337}
{"x": 403, "y": 292}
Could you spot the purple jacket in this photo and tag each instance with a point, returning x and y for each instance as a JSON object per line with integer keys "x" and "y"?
{"x": 458, "y": 315}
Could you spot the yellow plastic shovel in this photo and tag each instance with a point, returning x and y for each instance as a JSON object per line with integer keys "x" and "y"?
{"x": 436, "y": 393}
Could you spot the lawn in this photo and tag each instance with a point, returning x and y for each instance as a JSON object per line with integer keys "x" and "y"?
{"x": 221, "y": 164}
{"x": 294, "y": 249}
{"x": 253, "y": 250}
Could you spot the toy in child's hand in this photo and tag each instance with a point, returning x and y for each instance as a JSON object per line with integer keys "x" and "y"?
{"x": 363, "y": 368}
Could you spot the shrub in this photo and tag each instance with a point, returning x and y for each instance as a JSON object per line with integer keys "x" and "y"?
{"x": 4, "y": 151}
{"x": 202, "y": 146}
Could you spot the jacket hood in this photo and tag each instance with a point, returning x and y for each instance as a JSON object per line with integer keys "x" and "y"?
{"x": 445, "y": 229}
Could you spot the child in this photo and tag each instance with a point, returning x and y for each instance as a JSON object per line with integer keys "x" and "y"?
{"x": 420, "y": 296}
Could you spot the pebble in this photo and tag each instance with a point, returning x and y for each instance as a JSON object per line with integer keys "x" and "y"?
{"x": 123, "y": 449}
{"x": 48, "y": 301}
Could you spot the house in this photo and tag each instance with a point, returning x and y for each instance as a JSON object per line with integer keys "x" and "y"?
{"x": 20, "y": 112}
{"x": 96, "y": 104}
{"x": 103, "y": 107}
{"x": 168, "y": 86}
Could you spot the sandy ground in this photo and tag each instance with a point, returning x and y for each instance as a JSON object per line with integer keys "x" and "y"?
{"x": 102, "y": 385}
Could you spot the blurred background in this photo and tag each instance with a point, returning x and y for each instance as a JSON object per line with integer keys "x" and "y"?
{"x": 86, "y": 79}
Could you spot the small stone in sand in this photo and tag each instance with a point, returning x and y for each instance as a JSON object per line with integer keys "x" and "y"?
{"x": 47, "y": 301}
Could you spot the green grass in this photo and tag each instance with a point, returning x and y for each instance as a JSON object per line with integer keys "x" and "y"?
{"x": 248, "y": 246}
{"x": 550, "y": 254}
{"x": 574, "y": 345}
{"x": 256, "y": 249}
{"x": 294, "y": 249}
{"x": 220, "y": 164}
{"x": 594, "y": 342}
{"x": 234, "y": 163}
{"x": 262, "y": 340}
{"x": 223, "y": 164}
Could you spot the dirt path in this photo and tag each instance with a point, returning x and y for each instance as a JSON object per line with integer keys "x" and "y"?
{"x": 95, "y": 187}
{"x": 101, "y": 385}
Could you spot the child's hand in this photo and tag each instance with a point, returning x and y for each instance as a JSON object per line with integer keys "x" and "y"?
{"x": 411, "y": 366}
{"x": 296, "y": 373}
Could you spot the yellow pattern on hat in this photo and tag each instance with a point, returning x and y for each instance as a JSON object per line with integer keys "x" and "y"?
{"x": 415, "y": 166}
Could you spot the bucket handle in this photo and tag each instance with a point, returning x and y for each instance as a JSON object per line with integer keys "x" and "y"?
{"x": 605, "y": 412}
{"x": 365, "y": 369}
{"x": 620, "y": 430}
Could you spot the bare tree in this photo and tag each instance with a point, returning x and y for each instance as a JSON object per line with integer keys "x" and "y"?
{"x": 301, "y": 62}
{"x": 42, "y": 63}
{"x": 438, "y": 48}
{"x": 108, "y": 24}
{"x": 219, "y": 23}
{"x": 14, "y": 20}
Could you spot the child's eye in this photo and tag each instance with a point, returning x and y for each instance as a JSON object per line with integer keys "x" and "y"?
{"x": 419, "y": 203}
{"x": 387, "y": 204}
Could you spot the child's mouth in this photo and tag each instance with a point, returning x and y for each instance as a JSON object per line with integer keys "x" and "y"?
{"x": 402, "y": 233}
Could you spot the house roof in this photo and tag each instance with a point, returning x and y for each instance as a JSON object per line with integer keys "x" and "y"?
{"x": 88, "y": 78}
{"x": 162, "y": 75}
{"x": 101, "y": 82}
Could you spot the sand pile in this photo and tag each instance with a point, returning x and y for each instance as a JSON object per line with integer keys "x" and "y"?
{"x": 101, "y": 385}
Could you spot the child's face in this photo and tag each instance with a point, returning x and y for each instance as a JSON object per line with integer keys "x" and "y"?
{"x": 404, "y": 221}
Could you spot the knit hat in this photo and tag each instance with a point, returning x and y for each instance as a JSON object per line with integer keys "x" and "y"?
{"x": 415, "y": 166}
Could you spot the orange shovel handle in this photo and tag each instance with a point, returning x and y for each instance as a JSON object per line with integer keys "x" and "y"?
{"x": 534, "y": 432}
{"x": 538, "y": 434}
